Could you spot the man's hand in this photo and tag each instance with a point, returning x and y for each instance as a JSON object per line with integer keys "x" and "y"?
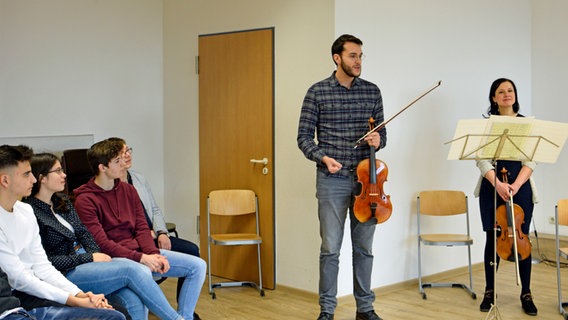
{"x": 164, "y": 242}
{"x": 374, "y": 139}
{"x": 332, "y": 165}
{"x": 156, "y": 263}
{"x": 88, "y": 300}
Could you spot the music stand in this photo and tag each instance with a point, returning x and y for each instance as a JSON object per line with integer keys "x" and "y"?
{"x": 506, "y": 138}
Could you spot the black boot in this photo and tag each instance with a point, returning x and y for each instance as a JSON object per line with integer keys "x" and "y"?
{"x": 488, "y": 301}
{"x": 528, "y": 304}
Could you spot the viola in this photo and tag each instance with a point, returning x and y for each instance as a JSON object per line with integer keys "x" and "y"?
{"x": 371, "y": 175}
{"x": 372, "y": 200}
{"x": 512, "y": 243}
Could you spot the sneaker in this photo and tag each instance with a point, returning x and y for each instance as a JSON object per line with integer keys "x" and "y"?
{"x": 528, "y": 305}
{"x": 369, "y": 315}
{"x": 325, "y": 316}
{"x": 487, "y": 302}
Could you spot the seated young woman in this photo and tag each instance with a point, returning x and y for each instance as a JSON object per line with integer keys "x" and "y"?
{"x": 73, "y": 251}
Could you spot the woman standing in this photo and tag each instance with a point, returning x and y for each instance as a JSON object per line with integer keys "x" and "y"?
{"x": 73, "y": 251}
{"x": 504, "y": 102}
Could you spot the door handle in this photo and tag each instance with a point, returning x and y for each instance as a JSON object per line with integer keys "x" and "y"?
{"x": 264, "y": 161}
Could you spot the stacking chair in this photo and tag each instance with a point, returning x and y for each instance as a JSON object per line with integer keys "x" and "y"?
{"x": 561, "y": 218}
{"x": 443, "y": 203}
{"x": 172, "y": 228}
{"x": 77, "y": 169}
{"x": 222, "y": 204}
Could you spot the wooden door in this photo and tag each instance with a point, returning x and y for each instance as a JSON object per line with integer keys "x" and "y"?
{"x": 236, "y": 125}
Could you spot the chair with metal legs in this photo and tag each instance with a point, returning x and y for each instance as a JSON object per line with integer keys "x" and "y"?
{"x": 443, "y": 203}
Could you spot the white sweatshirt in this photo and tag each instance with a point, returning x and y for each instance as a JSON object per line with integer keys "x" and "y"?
{"x": 23, "y": 258}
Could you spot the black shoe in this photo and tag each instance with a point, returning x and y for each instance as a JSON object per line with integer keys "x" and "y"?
{"x": 196, "y": 316}
{"x": 369, "y": 315}
{"x": 325, "y": 316}
{"x": 487, "y": 302}
{"x": 528, "y": 305}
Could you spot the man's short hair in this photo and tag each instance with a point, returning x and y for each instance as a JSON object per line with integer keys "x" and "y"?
{"x": 118, "y": 140}
{"x": 337, "y": 46}
{"x": 102, "y": 152}
{"x": 10, "y": 156}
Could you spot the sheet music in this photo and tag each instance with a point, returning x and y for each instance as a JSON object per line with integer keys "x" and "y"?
{"x": 469, "y": 134}
{"x": 557, "y": 133}
{"x": 527, "y": 139}
{"x": 517, "y": 137}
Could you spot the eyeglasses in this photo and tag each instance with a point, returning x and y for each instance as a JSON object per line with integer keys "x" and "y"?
{"x": 354, "y": 56}
{"x": 128, "y": 150}
{"x": 58, "y": 171}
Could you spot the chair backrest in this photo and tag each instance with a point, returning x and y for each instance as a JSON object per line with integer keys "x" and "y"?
{"x": 232, "y": 202}
{"x": 232, "y": 211}
{"x": 442, "y": 202}
{"x": 77, "y": 169}
{"x": 562, "y": 207}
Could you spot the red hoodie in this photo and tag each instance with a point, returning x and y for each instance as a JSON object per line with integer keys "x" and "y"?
{"x": 116, "y": 219}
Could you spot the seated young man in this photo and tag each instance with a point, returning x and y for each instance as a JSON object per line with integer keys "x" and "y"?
{"x": 154, "y": 215}
{"x": 30, "y": 274}
{"x": 113, "y": 213}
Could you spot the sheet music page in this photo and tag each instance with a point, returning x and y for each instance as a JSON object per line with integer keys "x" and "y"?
{"x": 514, "y": 143}
{"x": 554, "y": 135}
{"x": 468, "y": 136}
{"x": 527, "y": 139}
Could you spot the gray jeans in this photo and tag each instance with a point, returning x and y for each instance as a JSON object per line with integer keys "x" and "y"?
{"x": 335, "y": 198}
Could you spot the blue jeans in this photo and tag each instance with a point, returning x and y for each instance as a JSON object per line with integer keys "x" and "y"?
{"x": 66, "y": 313}
{"x": 191, "y": 268}
{"x": 183, "y": 246}
{"x": 335, "y": 198}
{"x": 127, "y": 281}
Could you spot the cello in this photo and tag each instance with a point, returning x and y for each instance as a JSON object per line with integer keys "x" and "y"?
{"x": 512, "y": 243}
{"x": 372, "y": 200}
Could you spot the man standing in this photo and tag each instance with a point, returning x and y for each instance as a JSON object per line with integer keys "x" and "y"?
{"x": 338, "y": 109}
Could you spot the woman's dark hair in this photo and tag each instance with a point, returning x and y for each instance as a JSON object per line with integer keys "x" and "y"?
{"x": 337, "y": 46}
{"x": 493, "y": 107}
{"x": 41, "y": 164}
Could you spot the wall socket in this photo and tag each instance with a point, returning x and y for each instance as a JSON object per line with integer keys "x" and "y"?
{"x": 551, "y": 220}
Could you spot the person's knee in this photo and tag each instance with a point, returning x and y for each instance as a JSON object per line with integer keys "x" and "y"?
{"x": 202, "y": 265}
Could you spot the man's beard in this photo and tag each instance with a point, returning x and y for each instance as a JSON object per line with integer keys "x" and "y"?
{"x": 348, "y": 70}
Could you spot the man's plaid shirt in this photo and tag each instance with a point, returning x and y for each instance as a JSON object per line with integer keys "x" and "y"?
{"x": 338, "y": 117}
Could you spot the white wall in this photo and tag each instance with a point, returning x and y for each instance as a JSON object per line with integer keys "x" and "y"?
{"x": 85, "y": 67}
{"x": 549, "y": 70}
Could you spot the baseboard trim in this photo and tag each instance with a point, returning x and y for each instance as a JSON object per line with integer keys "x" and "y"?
{"x": 388, "y": 288}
